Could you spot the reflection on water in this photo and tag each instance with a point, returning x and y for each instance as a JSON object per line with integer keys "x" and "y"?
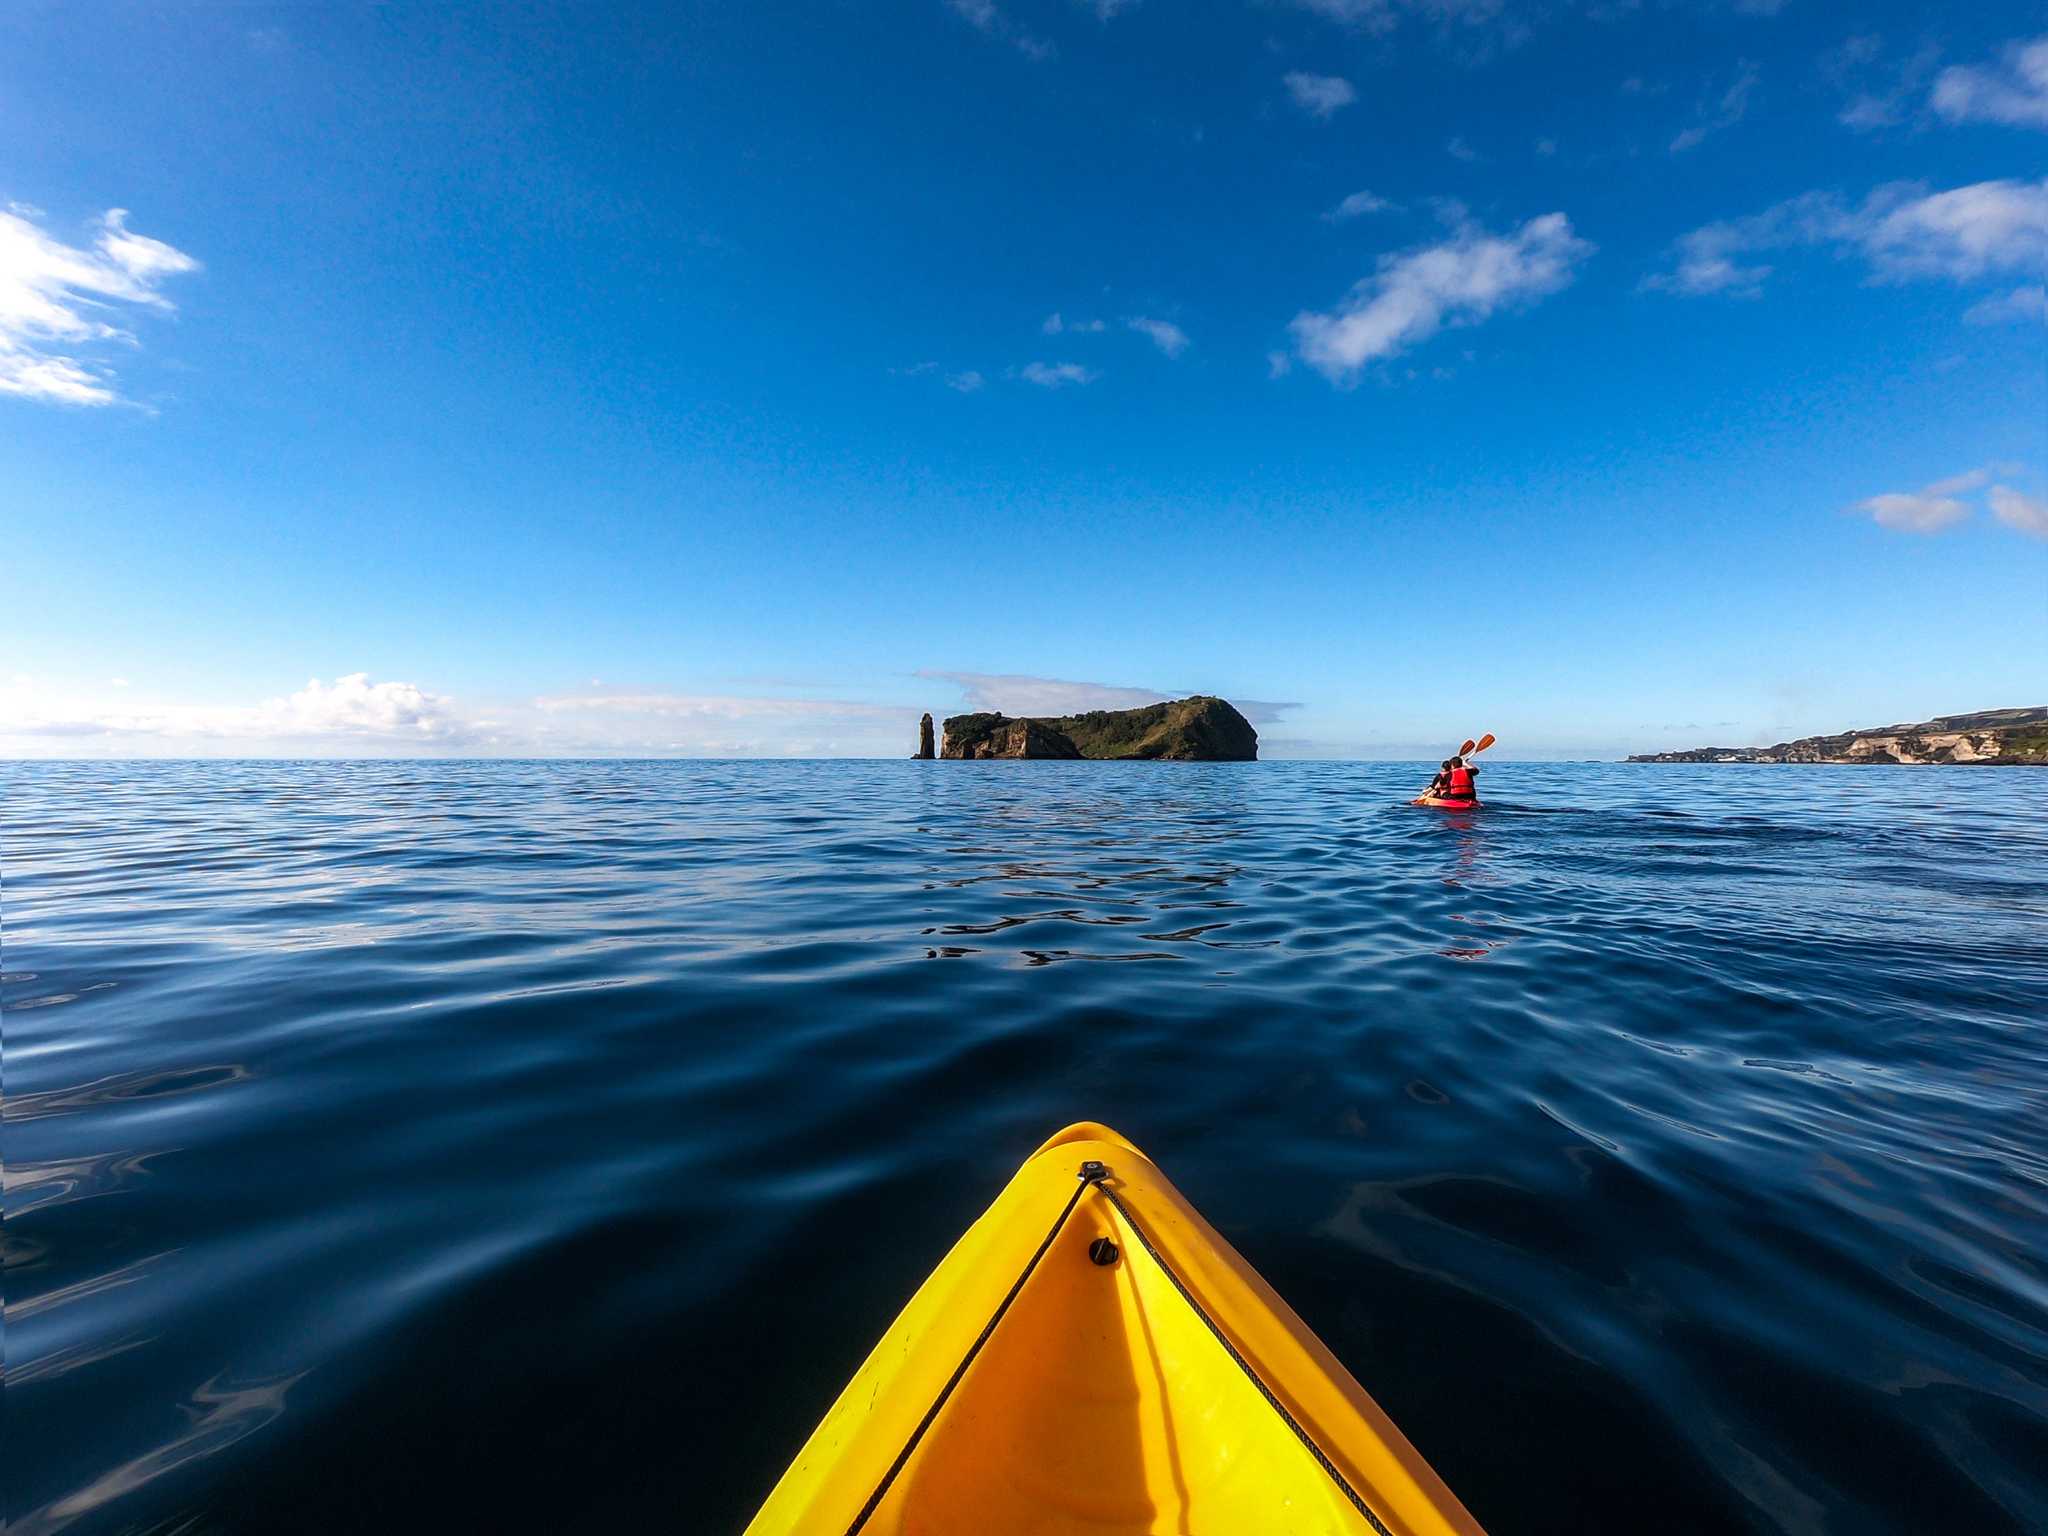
{"x": 478, "y": 1136}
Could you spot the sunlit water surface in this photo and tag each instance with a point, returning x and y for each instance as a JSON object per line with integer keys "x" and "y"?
{"x": 539, "y": 1146}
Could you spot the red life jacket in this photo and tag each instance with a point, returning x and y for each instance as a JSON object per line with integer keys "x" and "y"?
{"x": 1459, "y": 785}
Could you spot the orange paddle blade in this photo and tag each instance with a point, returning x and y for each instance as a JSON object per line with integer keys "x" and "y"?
{"x": 1484, "y": 742}
{"x": 1468, "y": 746}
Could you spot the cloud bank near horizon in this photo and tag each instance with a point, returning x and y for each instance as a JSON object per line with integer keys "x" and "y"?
{"x": 356, "y": 716}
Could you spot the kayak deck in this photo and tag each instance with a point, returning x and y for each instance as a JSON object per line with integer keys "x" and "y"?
{"x": 1040, "y": 1381}
{"x": 1443, "y": 804}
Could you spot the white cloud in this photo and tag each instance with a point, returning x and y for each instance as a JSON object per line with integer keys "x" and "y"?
{"x": 57, "y": 298}
{"x": 1357, "y": 205}
{"x": 1416, "y": 293}
{"x": 1054, "y": 325}
{"x": 1054, "y": 375}
{"x": 2029, "y": 514}
{"x": 2021, "y": 306}
{"x": 1108, "y": 10}
{"x": 967, "y": 382}
{"x": 1278, "y": 365}
{"x": 1165, "y": 335}
{"x": 1730, "y": 109}
{"x": 354, "y": 704}
{"x": 1935, "y": 507}
{"x": 1458, "y": 149}
{"x": 1319, "y": 95}
{"x": 351, "y": 707}
{"x": 1927, "y": 510}
{"x": 2015, "y": 92}
{"x": 1961, "y": 234}
{"x": 1902, "y": 230}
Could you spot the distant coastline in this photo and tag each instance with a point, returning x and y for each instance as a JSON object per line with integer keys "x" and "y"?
{"x": 1988, "y": 738}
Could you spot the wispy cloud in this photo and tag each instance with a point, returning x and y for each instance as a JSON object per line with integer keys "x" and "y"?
{"x": 2013, "y": 92}
{"x": 1357, "y": 205}
{"x": 1369, "y": 15}
{"x": 1055, "y": 325}
{"x": 1724, "y": 112}
{"x": 1902, "y": 230}
{"x": 1458, "y": 149}
{"x": 711, "y": 706}
{"x": 1940, "y": 506}
{"x": 1021, "y": 693}
{"x": 1414, "y": 294}
{"x": 967, "y": 381}
{"x": 2026, "y": 305}
{"x": 1321, "y": 96}
{"x": 1491, "y": 23}
{"x": 989, "y": 19}
{"x": 1108, "y": 10}
{"x": 1164, "y": 334}
{"x": 1708, "y": 257}
{"x": 1927, "y": 510}
{"x": 2028, "y": 514}
{"x": 1382, "y": 16}
{"x": 1055, "y": 375}
{"x": 55, "y": 300}
{"x": 1879, "y": 90}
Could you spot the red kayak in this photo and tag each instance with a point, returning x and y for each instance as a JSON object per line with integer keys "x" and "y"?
{"x": 1443, "y": 804}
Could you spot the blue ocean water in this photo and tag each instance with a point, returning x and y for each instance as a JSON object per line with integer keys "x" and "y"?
{"x": 539, "y": 1146}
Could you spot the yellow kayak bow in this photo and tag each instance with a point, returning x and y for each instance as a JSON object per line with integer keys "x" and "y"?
{"x": 1093, "y": 1357}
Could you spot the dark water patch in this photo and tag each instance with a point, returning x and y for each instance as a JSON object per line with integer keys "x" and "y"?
{"x": 548, "y": 1142}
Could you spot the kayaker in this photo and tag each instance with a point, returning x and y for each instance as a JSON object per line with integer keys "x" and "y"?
{"x": 1457, "y": 781}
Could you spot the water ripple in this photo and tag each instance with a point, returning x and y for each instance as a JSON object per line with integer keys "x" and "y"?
{"x": 556, "y": 1138}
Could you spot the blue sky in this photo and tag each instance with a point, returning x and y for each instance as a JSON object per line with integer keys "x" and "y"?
{"x": 746, "y": 379}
